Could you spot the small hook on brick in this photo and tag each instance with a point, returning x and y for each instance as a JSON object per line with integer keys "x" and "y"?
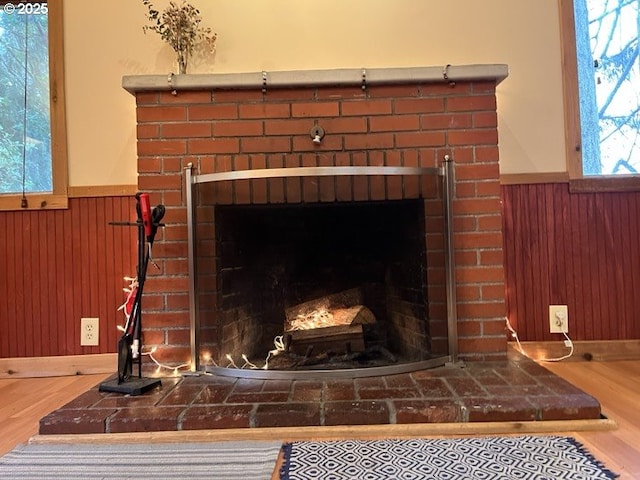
{"x": 317, "y": 134}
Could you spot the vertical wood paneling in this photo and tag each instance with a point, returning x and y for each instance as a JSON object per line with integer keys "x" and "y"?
{"x": 17, "y": 288}
{"x": 93, "y": 286}
{"x": 632, "y": 272}
{"x": 56, "y": 276}
{"x": 626, "y": 271}
{"x": 66, "y": 325}
{"x": 39, "y": 279}
{"x": 599, "y": 281}
{"x": 579, "y": 249}
{"x": 60, "y": 265}
{"x": 7, "y": 303}
{"x": 24, "y": 328}
{"x": 560, "y": 248}
{"x": 6, "y": 277}
{"x": 107, "y": 265}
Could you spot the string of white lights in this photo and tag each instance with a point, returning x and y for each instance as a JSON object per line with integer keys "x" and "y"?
{"x": 161, "y": 366}
{"x": 568, "y": 342}
{"x": 278, "y": 342}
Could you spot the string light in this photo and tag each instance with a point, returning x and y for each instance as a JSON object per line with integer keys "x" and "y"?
{"x": 231, "y": 362}
{"x": 568, "y": 343}
{"x": 127, "y": 306}
{"x": 315, "y": 319}
{"x": 279, "y": 347}
{"x": 247, "y": 363}
{"x": 207, "y": 359}
{"x": 161, "y": 366}
{"x": 278, "y": 342}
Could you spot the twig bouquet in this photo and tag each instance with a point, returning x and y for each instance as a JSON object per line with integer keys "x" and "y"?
{"x": 180, "y": 26}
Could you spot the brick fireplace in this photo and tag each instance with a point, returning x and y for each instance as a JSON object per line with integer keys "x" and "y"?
{"x": 383, "y": 233}
{"x": 411, "y": 117}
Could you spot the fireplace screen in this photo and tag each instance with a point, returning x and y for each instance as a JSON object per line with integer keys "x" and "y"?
{"x": 319, "y": 287}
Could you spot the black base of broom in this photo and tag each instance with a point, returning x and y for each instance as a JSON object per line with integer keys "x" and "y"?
{"x": 133, "y": 386}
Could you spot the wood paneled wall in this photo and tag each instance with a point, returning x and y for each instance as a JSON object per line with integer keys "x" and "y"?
{"x": 580, "y": 249}
{"x": 58, "y": 266}
{"x": 576, "y": 249}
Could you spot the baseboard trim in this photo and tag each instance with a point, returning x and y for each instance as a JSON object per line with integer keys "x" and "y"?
{"x": 59, "y": 366}
{"x": 586, "y": 350}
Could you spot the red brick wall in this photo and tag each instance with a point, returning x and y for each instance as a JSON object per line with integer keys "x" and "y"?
{"x": 408, "y": 125}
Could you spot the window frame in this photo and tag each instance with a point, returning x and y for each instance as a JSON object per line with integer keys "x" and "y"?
{"x": 58, "y": 198}
{"x": 578, "y": 182}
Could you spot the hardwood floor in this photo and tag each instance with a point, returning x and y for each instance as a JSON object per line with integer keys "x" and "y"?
{"x": 615, "y": 384}
{"x": 24, "y": 401}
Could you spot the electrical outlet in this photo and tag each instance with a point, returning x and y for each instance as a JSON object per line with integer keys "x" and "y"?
{"x": 89, "y": 332}
{"x": 558, "y": 319}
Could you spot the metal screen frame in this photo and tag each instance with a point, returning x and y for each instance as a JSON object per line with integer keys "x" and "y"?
{"x": 446, "y": 172}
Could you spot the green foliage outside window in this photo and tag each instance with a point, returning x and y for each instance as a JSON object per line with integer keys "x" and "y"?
{"x": 24, "y": 42}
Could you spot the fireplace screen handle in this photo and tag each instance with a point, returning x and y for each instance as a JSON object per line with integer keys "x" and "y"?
{"x": 452, "y": 316}
{"x": 310, "y": 172}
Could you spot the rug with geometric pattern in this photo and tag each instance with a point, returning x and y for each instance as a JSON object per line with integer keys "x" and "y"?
{"x": 487, "y": 458}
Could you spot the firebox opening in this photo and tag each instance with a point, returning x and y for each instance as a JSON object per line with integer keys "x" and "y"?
{"x": 334, "y": 285}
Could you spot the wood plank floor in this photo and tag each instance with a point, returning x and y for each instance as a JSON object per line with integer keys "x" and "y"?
{"x": 615, "y": 384}
{"x": 24, "y": 401}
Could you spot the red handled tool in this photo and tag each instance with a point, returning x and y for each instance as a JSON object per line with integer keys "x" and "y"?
{"x": 145, "y": 214}
{"x": 130, "y": 343}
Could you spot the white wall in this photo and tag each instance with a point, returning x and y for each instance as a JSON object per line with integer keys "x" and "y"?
{"x": 104, "y": 41}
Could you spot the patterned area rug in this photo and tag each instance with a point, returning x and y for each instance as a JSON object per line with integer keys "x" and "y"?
{"x": 504, "y": 458}
{"x": 220, "y": 461}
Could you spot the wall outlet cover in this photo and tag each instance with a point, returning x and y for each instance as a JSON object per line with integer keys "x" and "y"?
{"x": 89, "y": 332}
{"x": 558, "y": 319}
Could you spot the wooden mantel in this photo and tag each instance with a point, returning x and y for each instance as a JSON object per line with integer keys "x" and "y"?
{"x": 314, "y": 78}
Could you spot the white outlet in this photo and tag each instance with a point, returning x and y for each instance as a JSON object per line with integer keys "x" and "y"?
{"x": 558, "y": 319}
{"x": 89, "y": 332}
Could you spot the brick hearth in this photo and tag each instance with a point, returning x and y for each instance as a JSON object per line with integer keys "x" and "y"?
{"x": 518, "y": 390}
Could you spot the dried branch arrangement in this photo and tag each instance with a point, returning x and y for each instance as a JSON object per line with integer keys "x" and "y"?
{"x": 180, "y": 26}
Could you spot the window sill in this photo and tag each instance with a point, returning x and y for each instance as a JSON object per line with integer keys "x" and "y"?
{"x": 37, "y": 201}
{"x": 626, "y": 183}
{"x": 612, "y": 183}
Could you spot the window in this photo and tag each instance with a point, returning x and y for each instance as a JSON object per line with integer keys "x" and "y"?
{"x": 609, "y": 85}
{"x": 25, "y": 123}
{"x": 602, "y": 86}
{"x": 33, "y": 166}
